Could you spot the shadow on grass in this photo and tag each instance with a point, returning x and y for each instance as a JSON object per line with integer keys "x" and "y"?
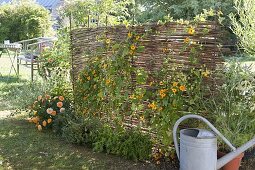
{"x": 23, "y": 147}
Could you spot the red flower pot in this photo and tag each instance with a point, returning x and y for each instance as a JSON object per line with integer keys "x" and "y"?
{"x": 232, "y": 165}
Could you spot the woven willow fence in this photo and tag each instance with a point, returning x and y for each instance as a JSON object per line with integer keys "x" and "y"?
{"x": 170, "y": 37}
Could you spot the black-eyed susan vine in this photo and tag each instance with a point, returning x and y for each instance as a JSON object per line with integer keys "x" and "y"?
{"x": 113, "y": 88}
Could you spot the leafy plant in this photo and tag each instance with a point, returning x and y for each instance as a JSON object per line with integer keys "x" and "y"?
{"x": 232, "y": 105}
{"x": 243, "y": 24}
{"x": 23, "y": 20}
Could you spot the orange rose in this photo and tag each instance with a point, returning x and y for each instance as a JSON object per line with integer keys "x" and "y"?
{"x": 44, "y": 123}
{"x": 49, "y": 110}
{"x": 54, "y": 113}
{"x": 49, "y": 120}
{"x": 59, "y": 104}
{"x": 47, "y": 97}
{"x": 61, "y": 98}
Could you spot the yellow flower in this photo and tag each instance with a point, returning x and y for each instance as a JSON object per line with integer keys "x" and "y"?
{"x": 137, "y": 37}
{"x": 88, "y": 78}
{"x": 182, "y": 88}
{"x": 107, "y": 81}
{"x": 133, "y": 47}
{"x": 44, "y": 123}
{"x": 105, "y": 66}
{"x": 132, "y": 96}
{"x": 131, "y": 52}
{"x": 151, "y": 83}
{"x": 161, "y": 83}
{"x": 162, "y": 95}
{"x": 94, "y": 72}
{"x": 35, "y": 112}
{"x": 107, "y": 41}
{"x": 174, "y": 90}
{"x": 49, "y": 120}
{"x": 165, "y": 50}
{"x": 175, "y": 84}
{"x": 191, "y": 31}
{"x": 187, "y": 40}
{"x": 142, "y": 118}
{"x": 205, "y": 73}
{"x": 152, "y": 105}
{"x": 39, "y": 127}
{"x": 129, "y": 35}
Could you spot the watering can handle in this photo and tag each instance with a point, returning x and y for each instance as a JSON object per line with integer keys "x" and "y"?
{"x": 192, "y": 116}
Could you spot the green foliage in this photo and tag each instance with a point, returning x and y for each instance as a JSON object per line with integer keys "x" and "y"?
{"x": 154, "y": 10}
{"x": 243, "y": 24}
{"x": 116, "y": 11}
{"x": 23, "y": 20}
{"x": 103, "y": 138}
{"x": 232, "y": 106}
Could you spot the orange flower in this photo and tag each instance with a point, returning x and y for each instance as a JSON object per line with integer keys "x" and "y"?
{"x": 54, "y": 113}
{"x": 39, "y": 98}
{"x": 49, "y": 120}
{"x": 47, "y": 96}
{"x": 182, "y": 88}
{"x": 191, "y": 31}
{"x": 152, "y": 105}
{"x": 30, "y": 120}
{"x": 59, "y": 104}
{"x": 35, "y": 119}
{"x": 49, "y": 110}
{"x": 61, "y": 98}
{"x": 44, "y": 123}
{"x": 174, "y": 91}
{"x": 107, "y": 81}
{"x": 39, "y": 127}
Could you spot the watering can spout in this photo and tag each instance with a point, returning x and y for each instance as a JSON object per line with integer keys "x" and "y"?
{"x": 230, "y": 156}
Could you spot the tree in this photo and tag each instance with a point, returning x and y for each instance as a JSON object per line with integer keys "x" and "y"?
{"x": 154, "y": 10}
{"x": 23, "y": 20}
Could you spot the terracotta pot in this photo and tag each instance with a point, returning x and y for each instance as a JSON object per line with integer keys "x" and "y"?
{"x": 232, "y": 165}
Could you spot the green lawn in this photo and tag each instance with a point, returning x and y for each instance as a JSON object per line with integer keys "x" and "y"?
{"x": 23, "y": 147}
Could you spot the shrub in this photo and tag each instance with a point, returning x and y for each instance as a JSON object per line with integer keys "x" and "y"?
{"x": 243, "y": 24}
{"x": 23, "y": 20}
{"x": 104, "y": 138}
{"x": 46, "y": 109}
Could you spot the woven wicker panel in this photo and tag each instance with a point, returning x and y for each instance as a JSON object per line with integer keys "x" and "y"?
{"x": 168, "y": 36}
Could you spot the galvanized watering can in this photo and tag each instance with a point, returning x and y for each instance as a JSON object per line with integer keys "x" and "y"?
{"x": 198, "y": 147}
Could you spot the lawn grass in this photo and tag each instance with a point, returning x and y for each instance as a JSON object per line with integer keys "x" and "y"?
{"x": 22, "y": 146}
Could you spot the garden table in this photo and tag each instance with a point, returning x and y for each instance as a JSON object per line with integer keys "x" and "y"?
{"x": 12, "y": 51}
